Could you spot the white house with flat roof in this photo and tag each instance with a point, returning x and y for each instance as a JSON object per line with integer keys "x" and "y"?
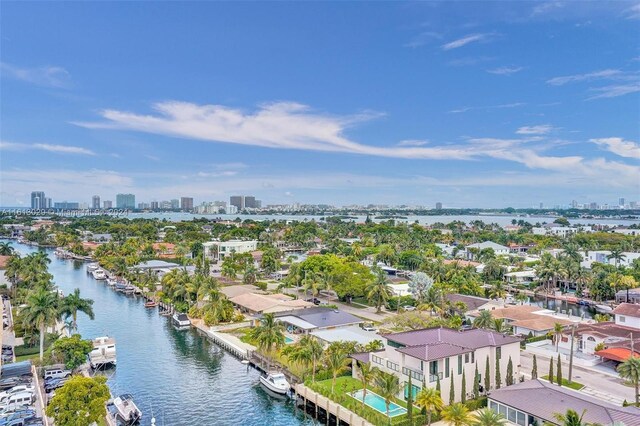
{"x": 498, "y": 249}
{"x": 218, "y": 250}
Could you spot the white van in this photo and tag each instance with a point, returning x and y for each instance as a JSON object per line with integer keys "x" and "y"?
{"x": 16, "y": 389}
{"x": 56, "y": 373}
{"x": 12, "y": 408}
{"x": 21, "y": 398}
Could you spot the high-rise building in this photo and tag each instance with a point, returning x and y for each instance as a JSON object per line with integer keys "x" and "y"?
{"x": 48, "y": 202}
{"x": 186, "y": 204}
{"x": 621, "y": 202}
{"x": 66, "y": 205}
{"x": 541, "y": 205}
{"x": 238, "y": 201}
{"x": 175, "y": 204}
{"x": 38, "y": 200}
{"x": 438, "y": 206}
{"x": 232, "y": 209}
{"x": 155, "y": 205}
{"x": 95, "y": 202}
{"x": 107, "y": 204}
{"x": 125, "y": 201}
{"x": 258, "y": 204}
{"x": 249, "y": 202}
{"x": 574, "y": 204}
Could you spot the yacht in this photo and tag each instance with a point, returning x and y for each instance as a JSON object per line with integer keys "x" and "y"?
{"x": 99, "y": 274}
{"x": 92, "y": 267}
{"x": 604, "y": 309}
{"x": 103, "y": 353}
{"x": 181, "y": 320}
{"x": 124, "y": 411}
{"x": 276, "y": 382}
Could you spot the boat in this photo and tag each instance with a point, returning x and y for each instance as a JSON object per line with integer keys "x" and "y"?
{"x": 150, "y": 304}
{"x": 103, "y": 353}
{"x": 584, "y": 303}
{"x": 99, "y": 274}
{"x": 181, "y": 320}
{"x": 92, "y": 267}
{"x": 111, "y": 282}
{"x": 124, "y": 411}
{"x": 276, "y": 382}
{"x": 604, "y": 309}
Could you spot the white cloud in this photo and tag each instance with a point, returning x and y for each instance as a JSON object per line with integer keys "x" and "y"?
{"x": 471, "y": 38}
{"x": 413, "y": 142}
{"x": 596, "y": 75}
{"x": 546, "y": 7}
{"x": 505, "y": 70}
{"x": 63, "y": 149}
{"x": 619, "y": 147}
{"x": 465, "y": 109}
{"x": 633, "y": 12}
{"x": 49, "y": 76}
{"x": 541, "y": 129}
{"x": 614, "y": 91}
{"x": 423, "y": 38}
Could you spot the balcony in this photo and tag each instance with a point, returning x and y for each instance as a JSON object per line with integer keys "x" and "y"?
{"x": 435, "y": 377}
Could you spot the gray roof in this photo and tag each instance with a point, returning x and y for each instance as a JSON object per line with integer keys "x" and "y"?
{"x": 156, "y": 264}
{"x": 469, "y": 339}
{"x": 434, "y": 351}
{"x": 323, "y": 317}
{"x": 543, "y": 399}
{"x": 472, "y": 302}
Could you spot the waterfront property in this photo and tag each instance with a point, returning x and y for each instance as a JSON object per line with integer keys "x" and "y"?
{"x": 218, "y": 250}
{"x": 615, "y": 337}
{"x": 378, "y": 403}
{"x": 472, "y": 250}
{"x": 631, "y": 296}
{"x": 304, "y": 321}
{"x": 103, "y": 353}
{"x": 473, "y": 303}
{"x": 536, "y": 401}
{"x": 254, "y": 303}
{"x": 443, "y": 355}
{"x": 352, "y": 333}
{"x": 527, "y": 319}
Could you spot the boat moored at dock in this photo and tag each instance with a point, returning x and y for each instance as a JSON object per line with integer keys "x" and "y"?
{"x": 124, "y": 411}
{"x": 181, "y": 320}
{"x": 276, "y": 382}
{"x": 99, "y": 274}
{"x": 103, "y": 353}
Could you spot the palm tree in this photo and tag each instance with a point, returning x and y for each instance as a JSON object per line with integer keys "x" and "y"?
{"x": 433, "y": 301}
{"x": 488, "y": 417}
{"x": 336, "y": 363}
{"x": 6, "y": 249}
{"x": 570, "y": 418}
{"x": 429, "y": 399}
{"x": 367, "y": 373}
{"x": 269, "y": 334}
{"x": 314, "y": 349}
{"x": 74, "y": 303}
{"x": 498, "y": 291}
{"x": 41, "y": 311}
{"x": 484, "y": 319}
{"x": 617, "y": 256}
{"x": 388, "y": 386}
{"x": 457, "y": 414}
{"x": 557, "y": 332}
{"x": 630, "y": 370}
{"x": 500, "y": 325}
{"x": 379, "y": 291}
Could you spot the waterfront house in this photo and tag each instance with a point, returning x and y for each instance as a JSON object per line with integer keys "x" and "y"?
{"x": 632, "y": 295}
{"x": 473, "y": 303}
{"x": 254, "y": 303}
{"x": 602, "y": 256}
{"x": 304, "y": 321}
{"x": 526, "y": 319}
{"x": 438, "y": 354}
{"x": 536, "y": 402}
{"x": 608, "y": 335}
{"x": 521, "y": 277}
{"x": 218, "y": 250}
{"x": 351, "y": 333}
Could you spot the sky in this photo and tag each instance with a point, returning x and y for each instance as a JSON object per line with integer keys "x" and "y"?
{"x": 471, "y": 104}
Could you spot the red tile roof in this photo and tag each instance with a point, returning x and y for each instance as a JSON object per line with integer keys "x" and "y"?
{"x": 617, "y": 354}
{"x": 630, "y": 309}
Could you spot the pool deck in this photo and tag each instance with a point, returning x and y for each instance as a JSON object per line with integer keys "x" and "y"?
{"x": 334, "y": 408}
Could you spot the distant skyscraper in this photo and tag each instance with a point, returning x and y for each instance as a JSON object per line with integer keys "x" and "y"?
{"x": 574, "y": 204}
{"x": 238, "y": 201}
{"x": 66, "y": 205}
{"x": 175, "y": 204}
{"x": 621, "y": 202}
{"x": 38, "y": 200}
{"x": 125, "y": 201}
{"x": 48, "y": 202}
{"x": 542, "y": 205}
{"x": 250, "y": 201}
{"x": 95, "y": 202}
{"x": 438, "y": 206}
{"x": 186, "y": 204}
{"x": 155, "y": 205}
{"x": 107, "y": 204}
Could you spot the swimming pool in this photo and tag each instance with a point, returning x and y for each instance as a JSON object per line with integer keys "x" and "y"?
{"x": 376, "y": 402}
{"x": 288, "y": 340}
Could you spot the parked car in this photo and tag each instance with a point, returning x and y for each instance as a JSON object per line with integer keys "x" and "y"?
{"x": 22, "y": 398}
{"x": 9, "y": 382}
{"x": 16, "y": 389}
{"x": 369, "y": 327}
{"x": 54, "y": 384}
{"x": 409, "y": 308}
{"x": 12, "y": 408}
{"x": 56, "y": 373}
{"x": 36, "y": 421}
{"x": 17, "y": 418}
{"x": 314, "y": 300}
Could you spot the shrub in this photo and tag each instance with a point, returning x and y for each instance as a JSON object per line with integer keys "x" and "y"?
{"x": 261, "y": 285}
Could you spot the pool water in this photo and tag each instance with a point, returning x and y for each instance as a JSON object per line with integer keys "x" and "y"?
{"x": 288, "y": 340}
{"x": 377, "y": 402}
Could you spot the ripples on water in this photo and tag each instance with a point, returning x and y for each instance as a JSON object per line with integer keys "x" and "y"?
{"x": 179, "y": 376}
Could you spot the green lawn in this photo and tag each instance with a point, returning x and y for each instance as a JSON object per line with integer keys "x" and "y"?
{"x": 573, "y": 385}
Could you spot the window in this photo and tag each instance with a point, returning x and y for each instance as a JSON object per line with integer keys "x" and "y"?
{"x": 466, "y": 358}
{"x": 393, "y": 366}
{"x": 446, "y": 367}
{"x": 376, "y": 359}
{"x": 499, "y": 352}
{"x": 414, "y": 391}
{"x": 459, "y": 364}
{"x": 414, "y": 374}
{"x": 473, "y": 357}
{"x": 622, "y": 318}
{"x": 512, "y": 415}
{"x": 521, "y": 419}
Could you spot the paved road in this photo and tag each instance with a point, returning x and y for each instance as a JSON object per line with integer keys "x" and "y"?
{"x": 598, "y": 384}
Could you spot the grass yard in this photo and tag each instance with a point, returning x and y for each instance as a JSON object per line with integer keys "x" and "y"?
{"x": 573, "y": 385}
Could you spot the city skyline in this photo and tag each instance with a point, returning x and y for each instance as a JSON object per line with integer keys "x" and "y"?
{"x": 511, "y": 104}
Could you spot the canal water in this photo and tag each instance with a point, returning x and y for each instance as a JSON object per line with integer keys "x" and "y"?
{"x": 563, "y": 306}
{"x": 179, "y": 376}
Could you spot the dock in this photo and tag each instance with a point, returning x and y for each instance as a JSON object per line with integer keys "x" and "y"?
{"x": 321, "y": 406}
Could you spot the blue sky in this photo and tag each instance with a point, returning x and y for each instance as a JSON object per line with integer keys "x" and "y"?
{"x": 471, "y": 104}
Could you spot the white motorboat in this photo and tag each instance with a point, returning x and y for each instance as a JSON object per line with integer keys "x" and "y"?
{"x": 124, "y": 410}
{"x": 181, "y": 320}
{"x": 99, "y": 274}
{"x": 276, "y": 382}
{"x": 604, "y": 309}
{"x": 92, "y": 267}
{"x": 111, "y": 282}
{"x": 103, "y": 353}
